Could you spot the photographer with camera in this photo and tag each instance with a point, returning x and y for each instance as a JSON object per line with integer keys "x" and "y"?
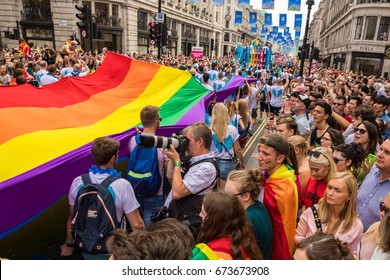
{"x": 184, "y": 202}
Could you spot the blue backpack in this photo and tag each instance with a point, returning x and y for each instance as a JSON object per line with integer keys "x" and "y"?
{"x": 142, "y": 170}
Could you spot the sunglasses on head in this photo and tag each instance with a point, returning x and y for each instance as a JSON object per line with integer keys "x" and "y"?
{"x": 315, "y": 154}
{"x": 360, "y": 130}
{"x": 382, "y": 207}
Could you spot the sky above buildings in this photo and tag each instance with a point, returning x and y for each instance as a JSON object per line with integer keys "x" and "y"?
{"x": 281, "y": 8}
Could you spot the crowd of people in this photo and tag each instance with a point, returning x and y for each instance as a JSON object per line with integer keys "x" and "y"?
{"x": 321, "y": 189}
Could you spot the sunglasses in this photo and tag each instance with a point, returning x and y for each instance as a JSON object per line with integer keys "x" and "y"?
{"x": 315, "y": 154}
{"x": 382, "y": 207}
{"x": 337, "y": 160}
{"x": 360, "y": 130}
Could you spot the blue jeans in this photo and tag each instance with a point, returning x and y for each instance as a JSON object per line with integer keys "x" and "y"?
{"x": 225, "y": 167}
{"x": 149, "y": 205}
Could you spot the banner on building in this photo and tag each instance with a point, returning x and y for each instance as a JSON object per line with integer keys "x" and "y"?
{"x": 286, "y": 31}
{"x": 282, "y": 21}
{"x": 268, "y": 19}
{"x": 298, "y": 22}
{"x": 298, "y": 34}
{"x": 252, "y": 18}
{"x": 268, "y": 4}
{"x": 238, "y": 18}
{"x": 192, "y": 1}
{"x": 218, "y": 2}
{"x": 275, "y": 30}
{"x": 254, "y": 29}
{"x": 294, "y": 5}
{"x": 264, "y": 30}
{"x": 243, "y": 3}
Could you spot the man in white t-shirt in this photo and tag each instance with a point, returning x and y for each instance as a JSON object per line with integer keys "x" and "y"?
{"x": 276, "y": 95}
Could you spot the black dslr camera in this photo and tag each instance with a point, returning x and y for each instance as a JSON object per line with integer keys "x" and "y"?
{"x": 180, "y": 143}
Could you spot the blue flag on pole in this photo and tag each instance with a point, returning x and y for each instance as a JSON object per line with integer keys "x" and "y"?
{"x": 298, "y": 22}
{"x": 282, "y": 21}
{"x": 268, "y": 4}
{"x": 267, "y": 19}
{"x": 254, "y": 29}
{"x": 252, "y": 18}
{"x": 238, "y": 18}
{"x": 294, "y": 5}
{"x": 243, "y": 3}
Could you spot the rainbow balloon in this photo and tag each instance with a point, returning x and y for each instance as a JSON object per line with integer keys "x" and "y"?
{"x": 46, "y": 134}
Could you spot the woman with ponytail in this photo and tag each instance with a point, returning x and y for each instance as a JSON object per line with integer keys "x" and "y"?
{"x": 246, "y": 185}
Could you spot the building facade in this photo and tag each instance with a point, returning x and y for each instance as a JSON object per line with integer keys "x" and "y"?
{"x": 353, "y": 34}
{"x": 123, "y": 24}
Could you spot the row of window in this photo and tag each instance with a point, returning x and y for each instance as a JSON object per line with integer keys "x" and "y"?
{"x": 370, "y": 25}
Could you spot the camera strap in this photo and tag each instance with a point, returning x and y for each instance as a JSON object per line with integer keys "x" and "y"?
{"x": 211, "y": 160}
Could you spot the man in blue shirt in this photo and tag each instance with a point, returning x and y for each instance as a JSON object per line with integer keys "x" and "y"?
{"x": 374, "y": 188}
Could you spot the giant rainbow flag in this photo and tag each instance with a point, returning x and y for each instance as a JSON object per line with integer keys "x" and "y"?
{"x": 46, "y": 134}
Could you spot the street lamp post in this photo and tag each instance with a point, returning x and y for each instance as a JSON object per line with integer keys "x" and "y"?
{"x": 309, "y": 4}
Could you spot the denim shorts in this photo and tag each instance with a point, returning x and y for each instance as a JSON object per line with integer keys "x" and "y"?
{"x": 225, "y": 167}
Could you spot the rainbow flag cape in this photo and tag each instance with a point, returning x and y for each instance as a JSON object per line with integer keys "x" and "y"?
{"x": 203, "y": 252}
{"x": 46, "y": 134}
{"x": 281, "y": 201}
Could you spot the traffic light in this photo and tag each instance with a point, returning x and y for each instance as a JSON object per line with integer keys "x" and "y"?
{"x": 152, "y": 31}
{"x": 307, "y": 53}
{"x": 300, "y": 52}
{"x": 164, "y": 35}
{"x": 84, "y": 16}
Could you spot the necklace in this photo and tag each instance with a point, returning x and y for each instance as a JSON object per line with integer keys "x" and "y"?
{"x": 110, "y": 171}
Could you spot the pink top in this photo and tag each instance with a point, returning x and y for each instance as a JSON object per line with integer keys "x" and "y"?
{"x": 307, "y": 227}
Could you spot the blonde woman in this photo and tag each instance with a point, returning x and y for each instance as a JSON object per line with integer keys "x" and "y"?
{"x": 372, "y": 238}
{"x": 232, "y": 112}
{"x": 336, "y": 213}
{"x": 300, "y": 147}
{"x": 323, "y": 169}
{"x": 224, "y": 143}
{"x": 244, "y": 120}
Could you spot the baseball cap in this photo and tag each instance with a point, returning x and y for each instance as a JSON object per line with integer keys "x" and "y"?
{"x": 279, "y": 143}
{"x": 302, "y": 97}
{"x": 300, "y": 89}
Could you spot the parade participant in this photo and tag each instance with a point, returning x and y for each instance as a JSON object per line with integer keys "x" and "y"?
{"x": 367, "y": 135}
{"x": 277, "y": 159}
{"x": 299, "y": 105}
{"x": 321, "y": 246}
{"x": 371, "y": 238}
{"x": 50, "y": 77}
{"x": 301, "y": 149}
{"x": 246, "y": 185}
{"x": 275, "y": 95}
{"x": 105, "y": 156}
{"x": 68, "y": 50}
{"x": 225, "y": 144}
{"x": 168, "y": 239}
{"x": 334, "y": 213}
{"x": 323, "y": 169}
{"x": 151, "y": 120}
{"x": 375, "y": 187}
{"x": 322, "y": 112}
{"x": 185, "y": 199}
{"x": 331, "y": 138}
{"x": 225, "y": 228}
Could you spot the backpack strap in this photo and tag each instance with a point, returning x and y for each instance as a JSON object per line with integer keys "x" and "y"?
{"x": 105, "y": 183}
{"x": 214, "y": 162}
{"x": 317, "y": 219}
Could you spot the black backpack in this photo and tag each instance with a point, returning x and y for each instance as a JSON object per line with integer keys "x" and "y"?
{"x": 94, "y": 216}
